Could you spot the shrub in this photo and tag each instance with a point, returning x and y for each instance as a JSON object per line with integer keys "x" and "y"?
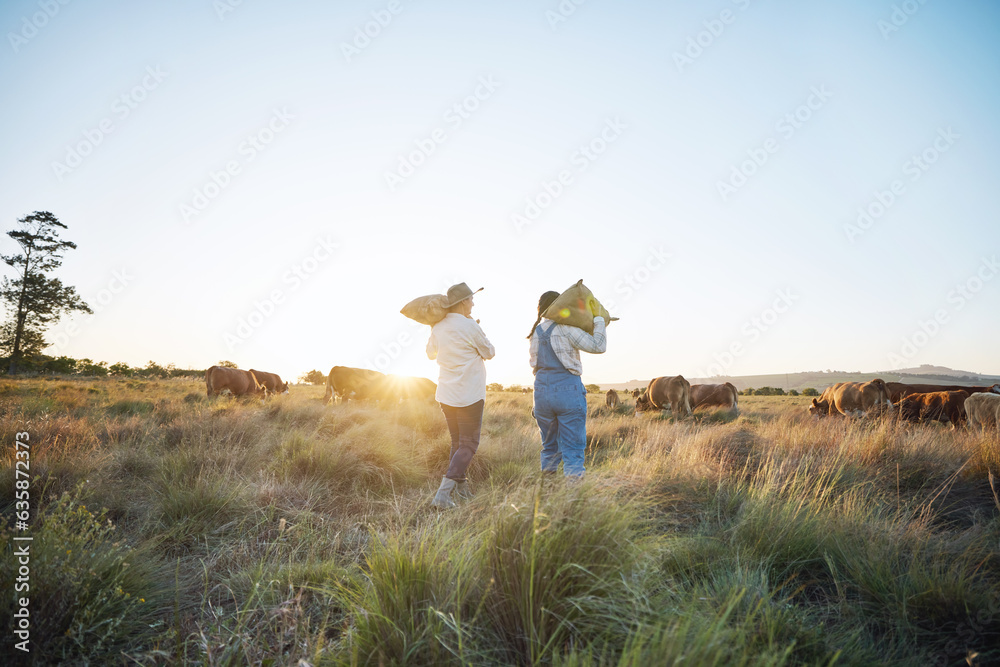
{"x": 313, "y": 377}
{"x": 809, "y": 391}
{"x": 90, "y": 595}
{"x": 120, "y": 368}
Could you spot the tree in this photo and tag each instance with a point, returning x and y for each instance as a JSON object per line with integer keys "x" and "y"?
{"x": 809, "y": 391}
{"x": 313, "y": 377}
{"x": 63, "y": 364}
{"x": 227, "y": 364}
{"x": 37, "y": 301}
{"x": 88, "y": 367}
{"x": 494, "y": 386}
{"x": 592, "y": 388}
{"x": 120, "y": 368}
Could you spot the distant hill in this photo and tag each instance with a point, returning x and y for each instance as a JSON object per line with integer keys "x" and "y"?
{"x": 925, "y": 374}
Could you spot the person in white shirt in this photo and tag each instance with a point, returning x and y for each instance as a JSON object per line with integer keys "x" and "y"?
{"x": 560, "y": 400}
{"x": 460, "y": 347}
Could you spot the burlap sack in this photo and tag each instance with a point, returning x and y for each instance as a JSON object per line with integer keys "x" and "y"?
{"x": 577, "y": 307}
{"x": 428, "y": 309}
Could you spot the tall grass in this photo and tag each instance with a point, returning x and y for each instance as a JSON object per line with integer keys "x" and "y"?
{"x": 292, "y": 531}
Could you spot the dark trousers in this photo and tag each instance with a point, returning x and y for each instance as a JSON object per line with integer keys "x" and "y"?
{"x": 465, "y": 425}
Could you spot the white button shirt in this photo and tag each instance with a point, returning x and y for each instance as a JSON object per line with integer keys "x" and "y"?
{"x": 460, "y": 346}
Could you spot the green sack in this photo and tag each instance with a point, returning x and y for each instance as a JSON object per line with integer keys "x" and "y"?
{"x": 577, "y": 307}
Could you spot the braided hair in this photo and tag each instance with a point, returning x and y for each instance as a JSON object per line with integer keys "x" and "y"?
{"x": 544, "y": 302}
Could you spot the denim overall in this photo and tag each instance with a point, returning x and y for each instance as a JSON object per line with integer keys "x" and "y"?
{"x": 560, "y": 410}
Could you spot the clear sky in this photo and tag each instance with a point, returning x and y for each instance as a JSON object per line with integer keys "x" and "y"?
{"x": 752, "y": 187}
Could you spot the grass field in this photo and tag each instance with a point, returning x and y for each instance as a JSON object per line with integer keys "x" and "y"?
{"x": 173, "y": 529}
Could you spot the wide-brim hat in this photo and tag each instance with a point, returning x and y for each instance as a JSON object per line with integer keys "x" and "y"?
{"x": 458, "y": 293}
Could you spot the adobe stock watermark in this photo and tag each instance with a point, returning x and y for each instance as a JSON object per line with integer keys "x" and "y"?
{"x": 454, "y": 117}
{"x": 562, "y": 12}
{"x": 900, "y": 14}
{"x": 634, "y": 280}
{"x": 957, "y": 298}
{"x": 99, "y": 302}
{"x": 390, "y": 350}
{"x": 704, "y": 39}
{"x": 121, "y": 108}
{"x": 247, "y": 151}
{"x": 915, "y": 167}
{"x": 223, "y": 7}
{"x": 550, "y": 190}
{"x": 30, "y": 26}
{"x": 292, "y": 278}
{"x": 786, "y": 127}
{"x": 365, "y": 34}
{"x": 21, "y": 622}
{"x": 751, "y": 332}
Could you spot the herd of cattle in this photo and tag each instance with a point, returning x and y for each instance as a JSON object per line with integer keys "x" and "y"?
{"x": 979, "y": 406}
{"x": 679, "y": 396}
{"x": 342, "y": 384}
{"x": 243, "y": 383}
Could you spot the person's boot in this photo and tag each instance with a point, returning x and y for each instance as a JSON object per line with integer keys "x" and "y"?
{"x": 442, "y": 499}
{"x": 463, "y": 490}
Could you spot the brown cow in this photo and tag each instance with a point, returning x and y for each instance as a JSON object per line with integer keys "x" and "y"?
{"x": 983, "y": 410}
{"x": 820, "y": 407}
{"x": 898, "y": 390}
{"x": 637, "y": 392}
{"x": 272, "y": 381}
{"x": 611, "y": 399}
{"x": 238, "y": 382}
{"x": 663, "y": 391}
{"x": 852, "y": 399}
{"x": 943, "y": 406}
{"x": 344, "y": 383}
{"x": 714, "y": 395}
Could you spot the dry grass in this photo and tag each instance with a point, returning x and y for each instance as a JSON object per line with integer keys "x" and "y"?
{"x": 292, "y": 531}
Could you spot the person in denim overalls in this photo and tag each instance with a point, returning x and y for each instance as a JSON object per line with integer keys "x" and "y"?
{"x": 560, "y": 400}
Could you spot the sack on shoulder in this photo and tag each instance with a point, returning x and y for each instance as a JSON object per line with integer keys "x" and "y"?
{"x": 577, "y": 307}
{"x": 428, "y": 309}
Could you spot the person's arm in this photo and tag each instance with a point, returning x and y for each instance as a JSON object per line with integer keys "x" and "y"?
{"x": 482, "y": 344}
{"x": 432, "y": 346}
{"x": 533, "y": 352}
{"x": 585, "y": 342}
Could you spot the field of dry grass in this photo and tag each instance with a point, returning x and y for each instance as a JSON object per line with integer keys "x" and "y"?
{"x": 170, "y": 528}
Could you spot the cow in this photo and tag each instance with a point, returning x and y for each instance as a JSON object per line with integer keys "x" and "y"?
{"x": 714, "y": 395}
{"x": 852, "y": 399}
{"x": 272, "y": 381}
{"x": 943, "y": 406}
{"x": 983, "y": 410}
{"x": 662, "y": 391}
{"x": 344, "y": 383}
{"x": 391, "y": 389}
{"x": 238, "y": 382}
{"x": 898, "y": 390}
{"x": 611, "y": 399}
{"x": 637, "y": 392}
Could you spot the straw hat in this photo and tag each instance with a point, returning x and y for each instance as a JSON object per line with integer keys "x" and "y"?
{"x": 459, "y": 292}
